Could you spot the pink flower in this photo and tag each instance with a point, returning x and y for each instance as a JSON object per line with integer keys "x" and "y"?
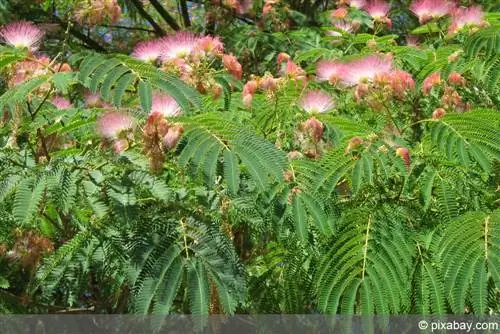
{"x": 282, "y": 56}
{"x": 432, "y": 80}
{"x": 438, "y": 113}
{"x": 112, "y": 123}
{"x": 148, "y": 51}
{"x": 180, "y": 45}
{"x": 243, "y": 7}
{"x": 173, "y": 135}
{"x": 293, "y": 70}
{"x": 316, "y": 101}
{"x": 427, "y": 10}
{"x": 120, "y": 145}
{"x": 344, "y": 26}
{"x": 365, "y": 69}
{"x": 61, "y": 103}
{"x": 21, "y": 34}
{"x": 250, "y": 87}
{"x": 268, "y": 83}
{"x": 398, "y": 81}
{"x": 339, "y": 13}
{"x": 377, "y": 9}
{"x": 93, "y": 100}
{"x": 404, "y": 153}
{"x": 412, "y": 40}
{"x": 165, "y": 105}
{"x": 359, "y": 4}
{"x": 464, "y": 17}
{"x": 456, "y": 78}
{"x": 209, "y": 45}
{"x": 329, "y": 70}
{"x": 232, "y": 65}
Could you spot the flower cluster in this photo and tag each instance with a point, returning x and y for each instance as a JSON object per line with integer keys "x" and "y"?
{"x": 308, "y": 137}
{"x": 352, "y": 73}
{"x": 97, "y": 12}
{"x": 375, "y": 78}
{"x": 427, "y": 10}
{"x": 187, "y": 55}
{"x": 451, "y": 98}
{"x": 467, "y": 17}
{"x": 158, "y": 136}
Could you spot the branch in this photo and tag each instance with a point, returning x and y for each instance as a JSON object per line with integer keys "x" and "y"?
{"x": 78, "y": 34}
{"x": 127, "y": 28}
{"x": 185, "y": 14}
{"x": 140, "y": 8}
{"x": 165, "y": 15}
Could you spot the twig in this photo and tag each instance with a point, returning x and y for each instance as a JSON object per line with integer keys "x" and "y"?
{"x": 140, "y": 8}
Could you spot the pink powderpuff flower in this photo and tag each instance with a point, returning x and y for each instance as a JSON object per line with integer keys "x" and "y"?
{"x": 250, "y": 87}
{"x": 173, "y": 135}
{"x": 210, "y": 46}
{"x": 21, "y": 34}
{"x": 268, "y": 84}
{"x": 465, "y": 17}
{"x": 377, "y": 9}
{"x": 316, "y": 101}
{"x": 293, "y": 71}
{"x": 344, "y": 26}
{"x": 61, "y": 103}
{"x": 456, "y": 78}
{"x": 243, "y": 7}
{"x": 398, "y": 81}
{"x": 233, "y": 66}
{"x": 427, "y": 10}
{"x": 412, "y": 40}
{"x": 359, "y": 4}
{"x": 365, "y": 69}
{"x": 329, "y": 70}
{"x": 282, "y": 56}
{"x": 148, "y": 51}
{"x": 120, "y": 145}
{"x": 339, "y": 13}
{"x": 112, "y": 123}
{"x": 438, "y": 113}
{"x": 166, "y": 105}
{"x": 404, "y": 153}
{"x": 431, "y": 81}
{"x": 178, "y": 46}
{"x": 93, "y": 100}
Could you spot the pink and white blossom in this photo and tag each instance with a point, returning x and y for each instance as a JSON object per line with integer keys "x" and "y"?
{"x": 210, "y": 46}
{"x": 232, "y": 65}
{"x": 427, "y": 10}
{"x": 378, "y": 9}
{"x": 316, "y": 101}
{"x": 178, "y": 46}
{"x": 148, "y": 51}
{"x": 165, "y": 105}
{"x": 359, "y": 4}
{"x": 344, "y": 26}
{"x": 61, "y": 103}
{"x": 112, "y": 123}
{"x": 329, "y": 70}
{"x": 365, "y": 69}
{"x": 431, "y": 81}
{"x": 21, "y": 34}
{"x": 465, "y": 17}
